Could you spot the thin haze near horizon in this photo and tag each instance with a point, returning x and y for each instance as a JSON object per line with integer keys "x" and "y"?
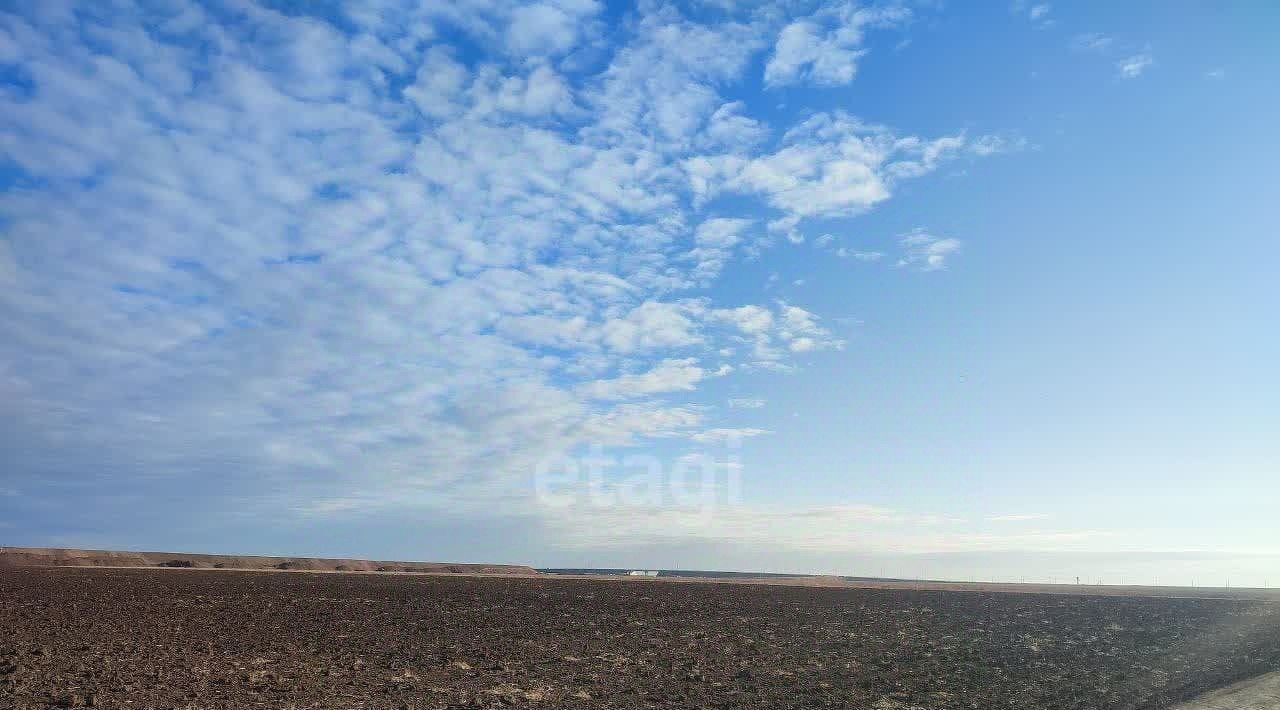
{"x": 901, "y": 289}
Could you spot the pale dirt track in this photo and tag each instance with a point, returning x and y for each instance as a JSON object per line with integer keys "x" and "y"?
{"x": 1262, "y": 693}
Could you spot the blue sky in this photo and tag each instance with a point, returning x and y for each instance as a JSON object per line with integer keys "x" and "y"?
{"x": 946, "y": 289}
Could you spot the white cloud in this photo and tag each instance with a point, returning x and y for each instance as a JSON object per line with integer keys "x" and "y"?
{"x": 624, "y": 424}
{"x": 714, "y": 241}
{"x": 542, "y": 92}
{"x": 984, "y": 146}
{"x": 824, "y": 48}
{"x": 827, "y": 240}
{"x": 926, "y": 252}
{"x": 439, "y": 85}
{"x": 1017, "y": 517}
{"x": 798, "y": 324}
{"x": 1037, "y": 13}
{"x": 833, "y": 165}
{"x": 659, "y": 92}
{"x": 547, "y": 27}
{"x": 667, "y": 376}
{"x": 752, "y": 320}
{"x": 728, "y": 128}
{"x": 771, "y": 334}
{"x": 652, "y": 325}
{"x": 1133, "y": 67}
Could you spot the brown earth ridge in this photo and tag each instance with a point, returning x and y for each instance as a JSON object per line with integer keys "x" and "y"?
{"x": 67, "y": 557}
{"x": 64, "y": 557}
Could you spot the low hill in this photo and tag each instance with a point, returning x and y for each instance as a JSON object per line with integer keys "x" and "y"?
{"x": 62, "y": 557}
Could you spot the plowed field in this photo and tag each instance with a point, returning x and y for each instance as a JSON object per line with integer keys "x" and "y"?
{"x": 220, "y": 639}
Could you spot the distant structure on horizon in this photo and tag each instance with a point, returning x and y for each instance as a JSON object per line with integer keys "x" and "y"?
{"x": 643, "y": 573}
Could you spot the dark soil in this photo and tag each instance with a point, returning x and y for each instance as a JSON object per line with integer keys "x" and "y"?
{"x": 217, "y": 639}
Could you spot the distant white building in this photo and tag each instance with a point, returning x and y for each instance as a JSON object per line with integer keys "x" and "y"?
{"x": 643, "y": 573}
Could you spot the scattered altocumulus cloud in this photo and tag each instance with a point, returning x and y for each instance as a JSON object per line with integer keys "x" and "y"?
{"x": 352, "y": 262}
